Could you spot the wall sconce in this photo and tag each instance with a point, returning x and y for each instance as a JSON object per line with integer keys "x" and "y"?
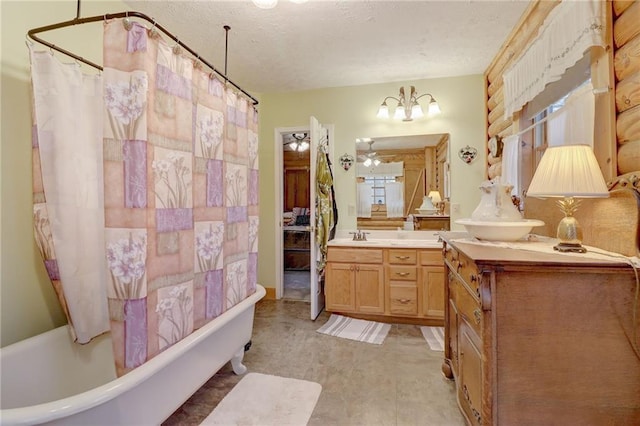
{"x": 568, "y": 172}
{"x": 407, "y": 110}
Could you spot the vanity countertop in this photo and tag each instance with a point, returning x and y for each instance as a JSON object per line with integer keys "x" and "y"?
{"x": 386, "y": 243}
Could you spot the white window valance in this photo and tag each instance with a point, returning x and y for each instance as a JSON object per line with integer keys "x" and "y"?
{"x": 571, "y": 28}
{"x": 382, "y": 169}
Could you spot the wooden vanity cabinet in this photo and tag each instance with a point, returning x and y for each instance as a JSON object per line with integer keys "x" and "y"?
{"x": 539, "y": 338}
{"x": 387, "y": 284}
{"x": 354, "y": 280}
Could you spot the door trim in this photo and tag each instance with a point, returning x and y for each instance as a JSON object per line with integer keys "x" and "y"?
{"x": 279, "y": 195}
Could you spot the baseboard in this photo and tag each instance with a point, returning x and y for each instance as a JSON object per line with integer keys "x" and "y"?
{"x": 271, "y": 293}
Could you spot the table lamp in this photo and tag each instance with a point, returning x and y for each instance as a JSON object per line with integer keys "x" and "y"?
{"x": 436, "y": 199}
{"x": 568, "y": 172}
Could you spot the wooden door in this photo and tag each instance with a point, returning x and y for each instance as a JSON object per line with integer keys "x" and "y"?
{"x": 296, "y": 188}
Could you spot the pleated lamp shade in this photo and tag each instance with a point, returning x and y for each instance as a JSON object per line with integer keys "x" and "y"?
{"x": 568, "y": 171}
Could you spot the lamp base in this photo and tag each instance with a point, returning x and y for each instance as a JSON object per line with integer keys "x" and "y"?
{"x": 570, "y": 248}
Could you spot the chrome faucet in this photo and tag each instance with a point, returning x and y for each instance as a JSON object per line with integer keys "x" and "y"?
{"x": 359, "y": 235}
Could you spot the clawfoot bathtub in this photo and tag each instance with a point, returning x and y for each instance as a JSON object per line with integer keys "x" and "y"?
{"x": 48, "y": 379}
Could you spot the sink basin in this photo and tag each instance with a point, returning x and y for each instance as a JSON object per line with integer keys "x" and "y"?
{"x": 499, "y": 231}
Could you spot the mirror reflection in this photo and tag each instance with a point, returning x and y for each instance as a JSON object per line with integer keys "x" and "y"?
{"x": 402, "y": 182}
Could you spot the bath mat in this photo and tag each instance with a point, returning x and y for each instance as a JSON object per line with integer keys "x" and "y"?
{"x": 355, "y": 329}
{"x": 434, "y": 337}
{"x": 262, "y": 399}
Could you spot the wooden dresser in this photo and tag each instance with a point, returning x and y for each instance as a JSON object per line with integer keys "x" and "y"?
{"x": 540, "y": 339}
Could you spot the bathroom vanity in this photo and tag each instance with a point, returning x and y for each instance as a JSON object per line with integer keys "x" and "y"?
{"x": 391, "y": 280}
{"x": 538, "y": 338}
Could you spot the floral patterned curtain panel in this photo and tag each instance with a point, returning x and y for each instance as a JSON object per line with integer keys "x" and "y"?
{"x": 181, "y": 193}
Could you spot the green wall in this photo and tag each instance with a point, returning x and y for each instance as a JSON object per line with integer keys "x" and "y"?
{"x": 28, "y": 304}
{"x": 352, "y": 111}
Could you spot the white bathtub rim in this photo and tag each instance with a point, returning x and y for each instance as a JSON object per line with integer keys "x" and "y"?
{"x": 52, "y": 410}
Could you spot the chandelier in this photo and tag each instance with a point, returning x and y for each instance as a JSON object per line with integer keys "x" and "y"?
{"x": 407, "y": 110}
{"x": 300, "y": 142}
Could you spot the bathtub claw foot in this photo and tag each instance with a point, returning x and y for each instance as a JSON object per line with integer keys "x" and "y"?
{"x": 236, "y": 362}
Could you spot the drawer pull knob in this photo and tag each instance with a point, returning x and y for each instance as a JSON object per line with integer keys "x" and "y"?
{"x": 478, "y": 315}
{"x": 402, "y": 274}
{"x": 402, "y": 257}
{"x": 404, "y": 301}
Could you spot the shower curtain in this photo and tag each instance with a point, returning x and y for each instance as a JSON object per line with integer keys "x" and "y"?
{"x": 179, "y": 226}
{"x": 67, "y": 189}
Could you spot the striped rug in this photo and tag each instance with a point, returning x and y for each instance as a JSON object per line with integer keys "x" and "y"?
{"x": 355, "y": 329}
{"x": 434, "y": 337}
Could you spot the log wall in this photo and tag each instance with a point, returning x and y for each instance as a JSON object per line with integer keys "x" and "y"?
{"x": 521, "y": 36}
{"x": 624, "y": 25}
{"x": 626, "y": 36}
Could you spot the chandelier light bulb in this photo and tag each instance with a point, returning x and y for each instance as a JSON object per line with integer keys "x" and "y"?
{"x": 367, "y": 162}
{"x": 416, "y": 111}
{"x": 399, "y": 113}
{"x": 434, "y": 108}
{"x": 383, "y": 111}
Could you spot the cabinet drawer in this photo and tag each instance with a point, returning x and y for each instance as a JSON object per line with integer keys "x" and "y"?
{"x": 465, "y": 267}
{"x": 402, "y": 257}
{"x": 352, "y": 255}
{"x": 404, "y": 300}
{"x": 431, "y": 257}
{"x": 468, "y": 306}
{"x": 403, "y": 273}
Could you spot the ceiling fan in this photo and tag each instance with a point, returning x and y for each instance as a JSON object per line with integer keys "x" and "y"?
{"x": 299, "y": 143}
{"x": 369, "y": 157}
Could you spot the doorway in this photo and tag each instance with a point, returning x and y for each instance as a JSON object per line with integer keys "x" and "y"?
{"x": 295, "y": 243}
{"x": 296, "y": 222}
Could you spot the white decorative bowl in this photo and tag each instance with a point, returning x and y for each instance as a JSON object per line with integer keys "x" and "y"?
{"x": 499, "y": 231}
{"x": 427, "y": 211}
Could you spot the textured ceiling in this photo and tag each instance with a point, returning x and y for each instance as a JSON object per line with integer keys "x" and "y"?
{"x": 322, "y": 44}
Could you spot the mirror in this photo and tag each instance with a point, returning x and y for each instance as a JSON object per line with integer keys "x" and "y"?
{"x": 394, "y": 174}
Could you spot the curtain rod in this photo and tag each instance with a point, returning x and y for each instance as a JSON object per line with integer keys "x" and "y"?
{"x": 78, "y": 21}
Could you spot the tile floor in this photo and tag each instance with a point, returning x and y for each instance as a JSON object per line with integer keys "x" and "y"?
{"x": 296, "y": 285}
{"x": 397, "y": 383}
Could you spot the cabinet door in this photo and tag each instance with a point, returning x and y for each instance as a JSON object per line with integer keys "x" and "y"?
{"x": 340, "y": 287}
{"x": 470, "y": 376}
{"x": 432, "y": 281}
{"x": 369, "y": 289}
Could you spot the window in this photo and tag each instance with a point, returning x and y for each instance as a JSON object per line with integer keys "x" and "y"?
{"x": 377, "y": 183}
{"x": 546, "y": 132}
